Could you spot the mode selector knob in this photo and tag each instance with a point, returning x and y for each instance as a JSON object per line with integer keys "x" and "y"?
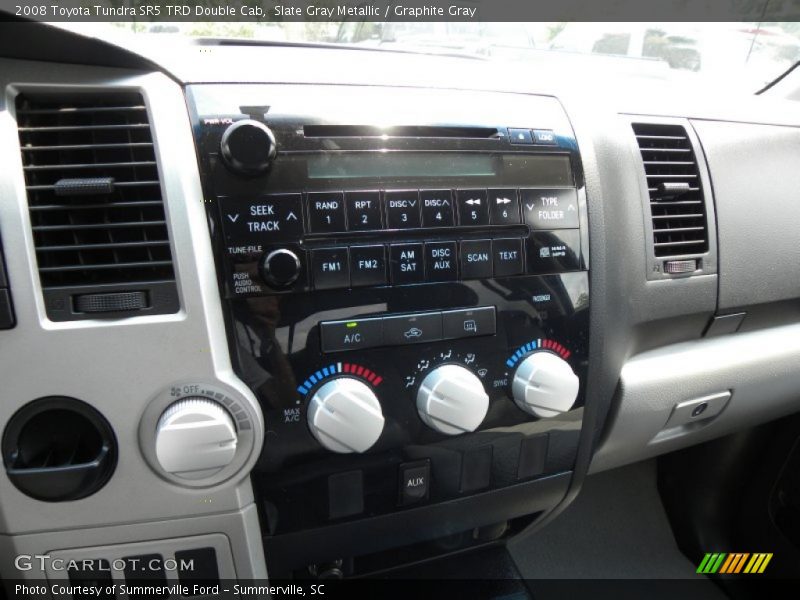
{"x": 545, "y": 385}
{"x": 195, "y": 438}
{"x": 345, "y": 416}
{"x": 248, "y": 147}
{"x": 451, "y": 400}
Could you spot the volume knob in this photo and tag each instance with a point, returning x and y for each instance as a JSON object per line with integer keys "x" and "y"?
{"x": 545, "y": 385}
{"x": 345, "y": 416}
{"x": 451, "y": 400}
{"x": 248, "y": 147}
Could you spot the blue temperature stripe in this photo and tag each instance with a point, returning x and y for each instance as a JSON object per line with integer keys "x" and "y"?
{"x": 302, "y": 389}
{"x": 510, "y": 362}
{"x": 333, "y": 369}
{"x": 319, "y": 374}
{"x": 325, "y": 371}
{"x": 313, "y": 379}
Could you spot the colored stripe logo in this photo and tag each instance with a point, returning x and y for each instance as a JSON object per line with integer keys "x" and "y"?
{"x": 734, "y": 562}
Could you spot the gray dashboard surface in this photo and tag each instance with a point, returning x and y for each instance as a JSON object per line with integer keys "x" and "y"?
{"x": 755, "y": 177}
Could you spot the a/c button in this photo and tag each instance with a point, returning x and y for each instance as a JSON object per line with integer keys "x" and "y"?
{"x": 350, "y": 335}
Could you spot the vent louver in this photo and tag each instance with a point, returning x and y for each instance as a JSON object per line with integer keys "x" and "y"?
{"x": 94, "y": 197}
{"x": 677, "y": 203}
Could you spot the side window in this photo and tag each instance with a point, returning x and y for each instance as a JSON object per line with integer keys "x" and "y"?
{"x": 612, "y": 43}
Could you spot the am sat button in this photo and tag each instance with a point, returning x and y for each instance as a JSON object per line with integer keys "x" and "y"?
{"x": 414, "y": 482}
{"x": 351, "y": 335}
{"x": 412, "y": 329}
{"x": 469, "y": 322}
{"x": 550, "y": 208}
{"x": 407, "y": 263}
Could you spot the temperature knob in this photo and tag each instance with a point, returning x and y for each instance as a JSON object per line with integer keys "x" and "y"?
{"x": 248, "y": 147}
{"x": 451, "y": 400}
{"x": 195, "y": 438}
{"x": 545, "y": 385}
{"x": 345, "y": 416}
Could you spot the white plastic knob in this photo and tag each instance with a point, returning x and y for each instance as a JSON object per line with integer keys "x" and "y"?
{"x": 345, "y": 416}
{"x": 451, "y": 400}
{"x": 195, "y": 438}
{"x": 545, "y": 385}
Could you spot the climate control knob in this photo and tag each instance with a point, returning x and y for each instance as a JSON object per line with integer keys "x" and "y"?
{"x": 345, "y": 416}
{"x": 545, "y": 385}
{"x": 195, "y": 438}
{"x": 248, "y": 147}
{"x": 451, "y": 400}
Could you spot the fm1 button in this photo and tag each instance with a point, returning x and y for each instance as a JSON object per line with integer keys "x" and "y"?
{"x": 415, "y": 480}
{"x": 550, "y": 208}
{"x": 507, "y": 257}
{"x": 441, "y": 261}
{"x": 326, "y": 211}
{"x": 367, "y": 266}
{"x": 407, "y": 263}
{"x": 351, "y": 335}
{"x": 330, "y": 268}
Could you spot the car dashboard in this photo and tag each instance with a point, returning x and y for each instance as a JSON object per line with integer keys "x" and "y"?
{"x": 303, "y": 307}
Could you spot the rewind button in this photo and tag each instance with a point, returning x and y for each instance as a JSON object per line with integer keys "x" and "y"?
{"x": 473, "y": 207}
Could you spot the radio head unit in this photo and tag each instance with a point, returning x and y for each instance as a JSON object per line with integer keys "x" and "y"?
{"x": 406, "y": 283}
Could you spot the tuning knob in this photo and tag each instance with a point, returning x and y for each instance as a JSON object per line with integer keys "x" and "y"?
{"x": 545, "y": 385}
{"x": 248, "y": 147}
{"x": 345, "y": 416}
{"x": 280, "y": 268}
{"x": 195, "y": 438}
{"x": 451, "y": 400}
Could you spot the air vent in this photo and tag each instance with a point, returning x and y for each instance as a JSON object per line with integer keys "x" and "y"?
{"x": 677, "y": 205}
{"x": 95, "y": 202}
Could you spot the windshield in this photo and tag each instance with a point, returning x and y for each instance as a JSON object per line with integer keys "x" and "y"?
{"x": 747, "y": 56}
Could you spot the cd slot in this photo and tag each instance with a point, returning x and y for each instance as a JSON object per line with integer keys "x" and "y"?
{"x": 410, "y": 131}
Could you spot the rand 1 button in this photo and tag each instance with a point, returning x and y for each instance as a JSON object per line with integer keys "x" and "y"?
{"x": 351, "y": 335}
{"x": 407, "y": 263}
{"x": 402, "y": 209}
{"x": 554, "y": 251}
{"x": 363, "y": 210}
{"x": 441, "y": 261}
{"x": 550, "y": 208}
{"x": 412, "y": 329}
{"x": 503, "y": 207}
{"x": 265, "y": 219}
{"x": 507, "y": 257}
{"x": 326, "y": 212}
{"x": 367, "y": 266}
{"x": 469, "y": 322}
{"x": 437, "y": 208}
{"x": 330, "y": 268}
{"x": 473, "y": 207}
{"x": 476, "y": 259}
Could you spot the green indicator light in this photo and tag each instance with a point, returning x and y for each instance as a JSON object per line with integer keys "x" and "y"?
{"x": 352, "y": 324}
